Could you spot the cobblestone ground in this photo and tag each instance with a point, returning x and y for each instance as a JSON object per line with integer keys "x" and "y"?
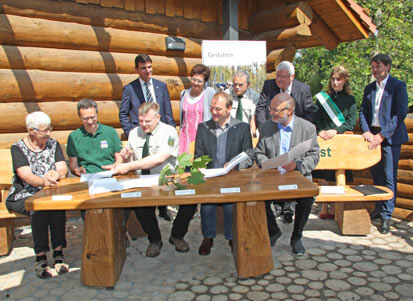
{"x": 372, "y": 267}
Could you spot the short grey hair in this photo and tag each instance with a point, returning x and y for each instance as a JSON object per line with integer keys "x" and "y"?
{"x": 286, "y": 65}
{"x": 149, "y": 105}
{"x": 86, "y": 103}
{"x": 242, "y": 73}
{"x": 36, "y": 119}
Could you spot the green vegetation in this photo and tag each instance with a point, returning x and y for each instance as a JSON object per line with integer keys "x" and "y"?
{"x": 394, "y": 21}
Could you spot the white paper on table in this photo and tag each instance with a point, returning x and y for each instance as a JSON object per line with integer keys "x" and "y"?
{"x": 104, "y": 185}
{"x": 293, "y": 154}
{"x": 86, "y": 177}
{"x": 142, "y": 181}
{"x": 332, "y": 189}
{"x": 215, "y": 172}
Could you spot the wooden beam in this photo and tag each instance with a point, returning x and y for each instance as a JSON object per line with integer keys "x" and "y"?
{"x": 323, "y": 33}
{"x": 291, "y": 33}
{"x": 353, "y": 18}
{"x": 16, "y": 30}
{"x": 137, "y": 20}
{"x": 52, "y": 59}
{"x": 35, "y": 85}
{"x": 285, "y": 15}
{"x": 277, "y": 56}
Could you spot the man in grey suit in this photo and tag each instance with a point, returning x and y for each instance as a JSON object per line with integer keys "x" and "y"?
{"x": 278, "y": 136}
{"x": 221, "y": 138}
{"x": 304, "y": 108}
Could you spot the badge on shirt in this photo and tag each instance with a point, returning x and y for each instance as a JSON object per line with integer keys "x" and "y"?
{"x": 103, "y": 144}
{"x": 171, "y": 141}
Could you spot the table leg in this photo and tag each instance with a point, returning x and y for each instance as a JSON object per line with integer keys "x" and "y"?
{"x": 352, "y": 218}
{"x": 104, "y": 249}
{"x": 252, "y": 250}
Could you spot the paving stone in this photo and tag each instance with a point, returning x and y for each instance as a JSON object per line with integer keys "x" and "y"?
{"x": 378, "y": 274}
{"x": 343, "y": 263}
{"x": 263, "y": 282}
{"x": 212, "y": 280}
{"x": 298, "y": 297}
{"x": 391, "y": 269}
{"x": 337, "y": 285}
{"x": 249, "y": 281}
{"x": 203, "y": 298}
{"x": 199, "y": 289}
{"x": 268, "y": 277}
{"x": 305, "y": 264}
{"x": 390, "y": 255}
{"x": 315, "y": 251}
{"x": 258, "y": 296}
{"x": 301, "y": 281}
{"x": 338, "y": 275}
{"x": 234, "y": 296}
{"x": 181, "y": 286}
{"x": 404, "y": 276}
{"x": 327, "y": 267}
{"x": 277, "y": 272}
{"x": 230, "y": 284}
{"x": 182, "y": 295}
{"x": 218, "y": 289}
{"x": 316, "y": 285}
{"x": 314, "y": 275}
{"x": 356, "y": 281}
{"x": 392, "y": 296}
{"x": 295, "y": 289}
{"x": 329, "y": 293}
{"x": 312, "y": 293}
{"x": 274, "y": 287}
{"x": 381, "y": 287}
{"x": 368, "y": 252}
{"x": 348, "y": 296}
{"x": 405, "y": 289}
{"x": 257, "y": 288}
{"x": 279, "y": 296}
{"x": 364, "y": 291}
{"x": 240, "y": 289}
{"x": 289, "y": 268}
{"x": 365, "y": 266}
{"x": 334, "y": 256}
{"x": 377, "y": 298}
{"x": 219, "y": 298}
{"x": 283, "y": 280}
{"x": 320, "y": 258}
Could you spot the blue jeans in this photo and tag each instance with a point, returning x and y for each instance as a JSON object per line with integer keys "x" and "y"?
{"x": 209, "y": 220}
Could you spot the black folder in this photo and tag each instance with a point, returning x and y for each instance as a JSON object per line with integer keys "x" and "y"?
{"x": 368, "y": 189}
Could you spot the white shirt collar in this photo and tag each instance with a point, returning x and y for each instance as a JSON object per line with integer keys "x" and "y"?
{"x": 383, "y": 82}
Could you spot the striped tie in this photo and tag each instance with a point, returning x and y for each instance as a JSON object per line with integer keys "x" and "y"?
{"x": 148, "y": 92}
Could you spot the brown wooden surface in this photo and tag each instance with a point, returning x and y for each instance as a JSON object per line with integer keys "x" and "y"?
{"x": 6, "y": 235}
{"x": 104, "y": 250}
{"x": 352, "y": 218}
{"x": 255, "y": 184}
{"x": 253, "y": 243}
{"x": 351, "y": 195}
{"x": 405, "y": 214}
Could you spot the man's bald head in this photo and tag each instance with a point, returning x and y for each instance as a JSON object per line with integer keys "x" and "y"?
{"x": 282, "y": 108}
{"x": 283, "y": 97}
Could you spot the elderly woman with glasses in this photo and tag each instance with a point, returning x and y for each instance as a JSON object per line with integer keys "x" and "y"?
{"x": 38, "y": 162}
{"x": 194, "y": 106}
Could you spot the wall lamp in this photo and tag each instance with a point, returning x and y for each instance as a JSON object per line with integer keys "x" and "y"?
{"x": 175, "y": 43}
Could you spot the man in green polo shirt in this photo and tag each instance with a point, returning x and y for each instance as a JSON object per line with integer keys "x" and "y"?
{"x": 93, "y": 145}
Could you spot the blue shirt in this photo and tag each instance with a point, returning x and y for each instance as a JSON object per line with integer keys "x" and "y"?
{"x": 285, "y": 136}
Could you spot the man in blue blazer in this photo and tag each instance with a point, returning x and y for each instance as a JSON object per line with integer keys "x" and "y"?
{"x": 143, "y": 89}
{"x": 136, "y": 93}
{"x": 382, "y": 114}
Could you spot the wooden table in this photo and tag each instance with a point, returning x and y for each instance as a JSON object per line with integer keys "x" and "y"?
{"x": 104, "y": 235}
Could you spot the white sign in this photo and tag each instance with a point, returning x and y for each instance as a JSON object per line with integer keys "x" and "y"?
{"x": 134, "y": 194}
{"x": 230, "y": 190}
{"x": 185, "y": 192}
{"x": 287, "y": 187}
{"x": 238, "y": 53}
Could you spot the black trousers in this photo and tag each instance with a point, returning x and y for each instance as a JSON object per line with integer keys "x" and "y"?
{"x": 147, "y": 218}
{"x": 41, "y": 221}
{"x": 302, "y": 212}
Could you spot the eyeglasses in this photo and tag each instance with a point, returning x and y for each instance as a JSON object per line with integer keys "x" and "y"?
{"x": 239, "y": 85}
{"x": 276, "y": 111}
{"x": 90, "y": 117}
{"x": 197, "y": 81}
{"x": 44, "y": 131}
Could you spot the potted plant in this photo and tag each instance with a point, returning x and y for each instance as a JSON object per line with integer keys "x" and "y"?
{"x": 187, "y": 171}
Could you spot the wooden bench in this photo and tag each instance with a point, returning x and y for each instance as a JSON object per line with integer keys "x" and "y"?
{"x": 349, "y": 152}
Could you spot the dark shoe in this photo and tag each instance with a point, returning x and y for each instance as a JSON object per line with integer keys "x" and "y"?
{"x": 288, "y": 218}
{"x": 384, "y": 227}
{"x": 154, "y": 249}
{"x": 60, "y": 265}
{"x": 375, "y": 215}
{"x": 42, "y": 269}
{"x": 230, "y": 244}
{"x": 274, "y": 238}
{"x": 205, "y": 247}
{"x": 181, "y": 245}
{"x": 297, "y": 245}
{"x": 164, "y": 213}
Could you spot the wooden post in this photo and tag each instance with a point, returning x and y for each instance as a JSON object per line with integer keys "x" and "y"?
{"x": 104, "y": 250}
{"x": 252, "y": 250}
{"x": 6, "y": 235}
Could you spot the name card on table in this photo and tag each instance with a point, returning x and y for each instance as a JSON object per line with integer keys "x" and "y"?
{"x": 287, "y": 187}
{"x": 61, "y": 197}
{"x": 133, "y": 194}
{"x": 185, "y": 192}
{"x": 230, "y": 190}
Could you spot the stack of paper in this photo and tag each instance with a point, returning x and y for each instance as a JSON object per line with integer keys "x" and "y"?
{"x": 215, "y": 172}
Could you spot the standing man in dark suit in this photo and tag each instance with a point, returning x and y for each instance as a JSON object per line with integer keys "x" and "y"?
{"x": 221, "y": 138}
{"x": 382, "y": 114}
{"x": 285, "y": 82}
{"x": 145, "y": 89}
{"x": 278, "y": 136}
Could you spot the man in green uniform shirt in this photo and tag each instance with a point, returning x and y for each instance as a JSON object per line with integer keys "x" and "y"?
{"x": 93, "y": 145}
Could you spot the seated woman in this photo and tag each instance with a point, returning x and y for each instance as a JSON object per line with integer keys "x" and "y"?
{"x": 336, "y": 114}
{"x": 38, "y": 162}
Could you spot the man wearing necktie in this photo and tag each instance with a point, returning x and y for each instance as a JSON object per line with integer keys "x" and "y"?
{"x": 150, "y": 147}
{"x": 382, "y": 115}
{"x": 244, "y": 100}
{"x": 145, "y": 89}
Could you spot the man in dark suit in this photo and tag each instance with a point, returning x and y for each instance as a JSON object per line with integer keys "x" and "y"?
{"x": 285, "y": 82}
{"x": 221, "y": 138}
{"x": 278, "y": 136}
{"x": 382, "y": 114}
{"x": 145, "y": 89}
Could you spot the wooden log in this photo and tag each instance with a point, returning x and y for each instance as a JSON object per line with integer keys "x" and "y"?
{"x": 277, "y": 56}
{"x": 248, "y": 224}
{"x": 406, "y": 164}
{"x": 401, "y": 213}
{"x": 409, "y": 123}
{"x": 352, "y": 218}
{"x": 323, "y": 33}
{"x": 22, "y": 31}
{"x": 285, "y": 15}
{"x": 406, "y": 151}
{"x": 6, "y": 235}
{"x": 52, "y": 59}
{"x": 290, "y": 33}
{"x": 403, "y": 176}
{"x": 405, "y": 190}
{"x": 63, "y": 118}
{"x": 136, "y": 20}
{"x": 405, "y": 203}
{"x": 104, "y": 250}
{"x": 35, "y": 85}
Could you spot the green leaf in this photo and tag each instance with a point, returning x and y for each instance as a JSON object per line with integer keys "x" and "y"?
{"x": 166, "y": 171}
{"x": 201, "y": 162}
{"x": 184, "y": 160}
{"x": 196, "y": 177}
